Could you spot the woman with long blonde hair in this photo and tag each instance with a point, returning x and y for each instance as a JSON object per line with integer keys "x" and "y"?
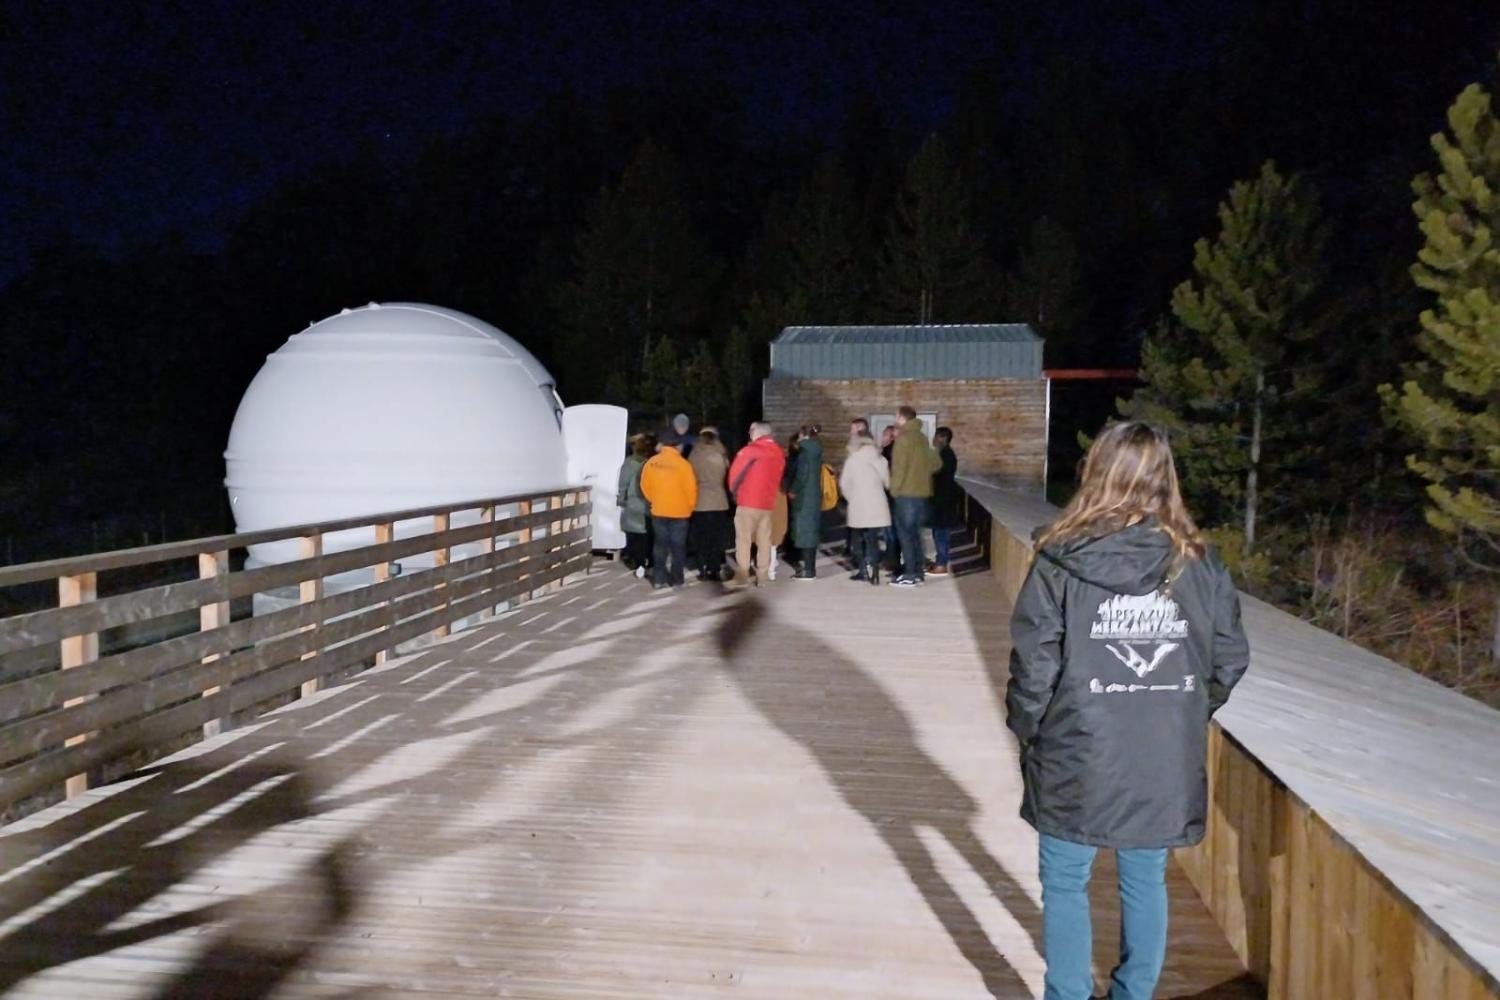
{"x": 1126, "y": 637}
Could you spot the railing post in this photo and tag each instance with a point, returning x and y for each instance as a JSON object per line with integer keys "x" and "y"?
{"x": 75, "y": 651}
{"x": 385, "y": 532}
{"x": 555, "y": 503}
{"x": 487, "y": 546}
{"x": 523, "y": 508}
{"x": 212, "y": 616}
{"x": 440, "y": 558}
{"x": 310, "y": 592}
{"x": 585, "y": 520}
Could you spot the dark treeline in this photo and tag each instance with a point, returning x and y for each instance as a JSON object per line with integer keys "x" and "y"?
{"x": 648, "y": 244}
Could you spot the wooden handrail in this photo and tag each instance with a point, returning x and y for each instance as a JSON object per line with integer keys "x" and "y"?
{"x": 99, "y": 562}
{"x": 54, "y": 624}
{"x": 58, "y": 724}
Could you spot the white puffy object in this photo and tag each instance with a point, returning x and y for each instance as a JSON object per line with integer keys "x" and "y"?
{"x": 389, "y": 407}
{"x": 595, "y": 437}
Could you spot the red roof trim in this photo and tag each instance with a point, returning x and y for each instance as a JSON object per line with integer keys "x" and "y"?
{"x": 1080, "y": 374}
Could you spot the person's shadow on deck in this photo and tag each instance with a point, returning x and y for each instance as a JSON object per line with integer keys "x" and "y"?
{"x": 137, "y": 850}
{"x": 870, "y": 751}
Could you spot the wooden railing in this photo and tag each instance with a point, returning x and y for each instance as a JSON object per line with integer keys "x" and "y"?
{"x": 68, "y": 713}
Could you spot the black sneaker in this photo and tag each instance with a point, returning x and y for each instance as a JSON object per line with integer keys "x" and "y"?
{"x": 906, "y": 581}
{"x": 803, "y": 574}
{"x": 859, "y": 577}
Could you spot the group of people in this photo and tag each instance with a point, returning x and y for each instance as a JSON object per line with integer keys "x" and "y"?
{"x": 894, "y": 489}
{"x": 673, "y": 499}
{"x": 677, "y": 490}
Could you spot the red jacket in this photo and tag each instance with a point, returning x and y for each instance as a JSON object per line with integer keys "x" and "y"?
{"x": 755, "y": 475}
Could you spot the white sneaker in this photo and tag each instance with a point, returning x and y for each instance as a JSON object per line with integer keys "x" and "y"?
{"x": 772, "y": 572}
{"x": 640, "y": 572}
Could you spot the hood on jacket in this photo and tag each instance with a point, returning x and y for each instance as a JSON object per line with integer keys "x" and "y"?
{"x": 859, "y": 442}
{"x": 703, "y": 452}
{"x": 1133, "y": 560}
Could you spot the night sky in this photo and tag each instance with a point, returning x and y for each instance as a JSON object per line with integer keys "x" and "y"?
{"x": 124, "y": 121}
{"x": 185, "y": 185}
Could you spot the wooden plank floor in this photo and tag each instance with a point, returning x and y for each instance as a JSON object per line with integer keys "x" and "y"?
{"x": 804, "y": 791}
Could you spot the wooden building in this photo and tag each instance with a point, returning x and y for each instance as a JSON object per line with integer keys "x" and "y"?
{"x": 985, "y": 381}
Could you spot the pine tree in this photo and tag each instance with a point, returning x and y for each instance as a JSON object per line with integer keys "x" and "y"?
{"x": 765, "y": 269}
{"x": 932, "y": 267}
{"x": 661, "y": 389}
{"x": 1230, "y": 373}
{"x": 739, "y": 377}
{"x": 1046, "y": 287}
{"x": 703, "y": 385}
{"x": 641, "y": 273}
{"x": 747, "y": 355}
{"x": 1451, "y": 404}
{"x": 823, "y": 264}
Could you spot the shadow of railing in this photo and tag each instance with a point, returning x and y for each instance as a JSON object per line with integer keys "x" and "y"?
{"x": 73, "y": 881}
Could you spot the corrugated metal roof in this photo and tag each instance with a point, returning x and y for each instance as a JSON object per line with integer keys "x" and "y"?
{"x": 948, "y": 333}
{"x": 980, "y": 350}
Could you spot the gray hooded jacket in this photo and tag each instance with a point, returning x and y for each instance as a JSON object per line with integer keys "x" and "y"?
{"x": 1113, "y": 677}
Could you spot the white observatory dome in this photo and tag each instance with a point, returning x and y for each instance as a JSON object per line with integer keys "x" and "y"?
{"x": 389, "y": 407}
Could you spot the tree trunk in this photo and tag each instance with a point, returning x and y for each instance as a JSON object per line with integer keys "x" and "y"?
{"x": 1252, "y": 477}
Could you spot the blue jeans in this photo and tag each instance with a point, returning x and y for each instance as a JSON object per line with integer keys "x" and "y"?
{"x": 1067, "y": 934}
{"x": 911, "y": 513}
{"x": 670, "y": 555}
{"x": 941, "y": 542}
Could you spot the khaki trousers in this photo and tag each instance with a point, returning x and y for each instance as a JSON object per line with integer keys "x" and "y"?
{"x": 752, "y": 527}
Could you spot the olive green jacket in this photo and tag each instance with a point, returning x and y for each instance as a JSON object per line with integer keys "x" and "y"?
{"x": 913, "y": 461}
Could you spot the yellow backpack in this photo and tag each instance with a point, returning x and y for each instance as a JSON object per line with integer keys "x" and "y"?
{"x": 830, "y": 485}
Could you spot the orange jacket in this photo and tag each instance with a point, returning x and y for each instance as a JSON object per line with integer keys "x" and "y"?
{"x": 668, "y": 483}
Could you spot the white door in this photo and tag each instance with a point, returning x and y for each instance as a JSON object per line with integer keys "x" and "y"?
{"x": 880, "y": 421}
{"x": 594, "y": 434}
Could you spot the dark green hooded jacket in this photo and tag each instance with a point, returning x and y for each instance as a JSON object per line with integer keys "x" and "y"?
{"x": 1113, "y": 676}
{"x": 807, "y": 483}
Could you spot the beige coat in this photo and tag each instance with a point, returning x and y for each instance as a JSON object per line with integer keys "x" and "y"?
{"x": 863, "y": 481}
{"x": 710, "y": 466}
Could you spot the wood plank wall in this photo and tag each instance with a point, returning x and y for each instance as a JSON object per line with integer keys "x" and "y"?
{"x": 999, "y": 425}
{"x": 93, "y": 712}
{"x": 1307, "y": 914}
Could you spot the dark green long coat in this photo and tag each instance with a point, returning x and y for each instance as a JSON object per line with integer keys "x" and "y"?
{"x": 807, "y": 483}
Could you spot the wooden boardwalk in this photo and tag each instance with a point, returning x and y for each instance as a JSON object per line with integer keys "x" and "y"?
{"x": 803, "y": 791}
